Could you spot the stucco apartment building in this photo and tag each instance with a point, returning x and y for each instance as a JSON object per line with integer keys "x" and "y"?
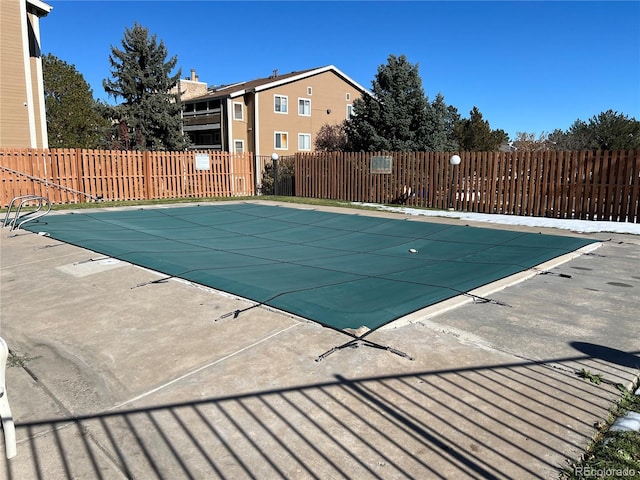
{"x": 23, "y": 121}
{"x": 277, "y": 114}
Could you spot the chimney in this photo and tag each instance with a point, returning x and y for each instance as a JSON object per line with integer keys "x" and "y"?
{"x": 194, "y": 77}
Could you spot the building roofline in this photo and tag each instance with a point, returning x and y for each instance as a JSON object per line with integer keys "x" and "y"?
{"x": 239, "y": 89}
{"x": 310, "y": 73}
{"x": 41, "y": 9}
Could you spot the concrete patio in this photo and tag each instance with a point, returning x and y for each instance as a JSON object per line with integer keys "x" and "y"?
{"x": 119, "y": 378}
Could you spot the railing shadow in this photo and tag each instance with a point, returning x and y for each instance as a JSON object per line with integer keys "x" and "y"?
{"x": 608, "y": 355}
{"x": 519, "y": 420}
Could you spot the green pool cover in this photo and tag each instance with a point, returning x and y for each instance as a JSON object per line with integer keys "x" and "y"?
{"x": 340, "y": 270}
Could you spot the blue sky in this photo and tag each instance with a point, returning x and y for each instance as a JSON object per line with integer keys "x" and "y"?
{"x": 528, "y": 66}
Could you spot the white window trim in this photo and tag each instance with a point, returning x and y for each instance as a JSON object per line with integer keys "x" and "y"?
{"x": 347, "y": 114}
{"x": 275, "y": 135}
{"x": 228, "y": 135}
{"x": 31, "y": 116}
{"x": 304, "y": 114}
{"x": 304, "y": 135}
{"x": 274, "y": 103}
{"x": 241, "y": 111}
{"x": 234, "y": 145}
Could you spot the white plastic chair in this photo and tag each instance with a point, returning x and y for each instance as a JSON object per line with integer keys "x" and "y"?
{"x": 5, "y": 412}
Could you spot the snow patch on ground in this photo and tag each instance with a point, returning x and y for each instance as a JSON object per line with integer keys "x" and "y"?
{"x": 582, "y": 226}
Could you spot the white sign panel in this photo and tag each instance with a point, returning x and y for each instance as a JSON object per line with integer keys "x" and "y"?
{"x": 382, "y": 164}
{"x": 202, "y": 161}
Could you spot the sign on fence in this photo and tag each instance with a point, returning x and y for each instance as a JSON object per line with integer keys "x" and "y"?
{"x": 202, "y": 161}
{"x": 381, "y": 164}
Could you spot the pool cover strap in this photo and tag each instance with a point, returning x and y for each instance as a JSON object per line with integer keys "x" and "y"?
{"x": 356, "y": 342}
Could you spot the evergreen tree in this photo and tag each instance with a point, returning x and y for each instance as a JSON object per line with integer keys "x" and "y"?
{"x": 73, "y": 119}
{"x": 150, "y": 116}
{"x": 475, "y": 135}
{"x": 394, "y": 118}
{"x": 606, "y": 131}
{"x": 440, "y": 127}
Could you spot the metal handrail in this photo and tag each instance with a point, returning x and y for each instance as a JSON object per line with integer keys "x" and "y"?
{"x": 29, "y": 216}
{"x": 48, "y": 183}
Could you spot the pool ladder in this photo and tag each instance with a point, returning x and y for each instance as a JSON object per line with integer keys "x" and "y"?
{"x": 43, "y": 206}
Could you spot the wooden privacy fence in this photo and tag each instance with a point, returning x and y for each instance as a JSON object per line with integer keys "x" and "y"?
{"x": 75, "y": 175}
{"x": 593, "y": 185}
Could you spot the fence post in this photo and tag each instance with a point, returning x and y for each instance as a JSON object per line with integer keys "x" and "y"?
{"x": 147, "y": 175}
{"x": 78, "y": 174}
{"x": 274, "y": 157}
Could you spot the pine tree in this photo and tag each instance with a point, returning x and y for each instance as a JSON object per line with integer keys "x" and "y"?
{"x": 141, "y": 76}
{"x": 606, "y": 131}
{"x": 394, "y": 118}
{"x": 475, "y": 135}
{"x": 73, "y": 119}
{"x": 441, "y": 122}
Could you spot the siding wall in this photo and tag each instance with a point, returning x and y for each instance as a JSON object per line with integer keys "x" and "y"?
{"x": 14, "y": 115}
{"x": 22, "y": 116}
{"x": 328, "y": 106}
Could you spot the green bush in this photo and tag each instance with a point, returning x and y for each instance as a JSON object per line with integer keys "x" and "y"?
{"x": 286, "y": 178}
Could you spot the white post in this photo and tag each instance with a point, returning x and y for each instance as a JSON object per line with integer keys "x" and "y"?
{"x": 5, "y": 412}
{"x": 454, "y": 161}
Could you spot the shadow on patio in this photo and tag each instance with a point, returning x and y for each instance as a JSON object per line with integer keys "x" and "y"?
{"x": 518, "y": 420}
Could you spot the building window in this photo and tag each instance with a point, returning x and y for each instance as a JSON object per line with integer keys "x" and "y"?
{"x": 349, "y": 111}
{"x": 309, "y": 91}
{"x": 238, "y": 112}
{"x": 281, "y": 141}
{"x": 280, "y": 105}
{"x": 348, "y": 96}
{"x": 304, "y": 141}
{"x": 304, "y": 107}
{"x": 205, "y": 139}
{"x": 238, "y": 146}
